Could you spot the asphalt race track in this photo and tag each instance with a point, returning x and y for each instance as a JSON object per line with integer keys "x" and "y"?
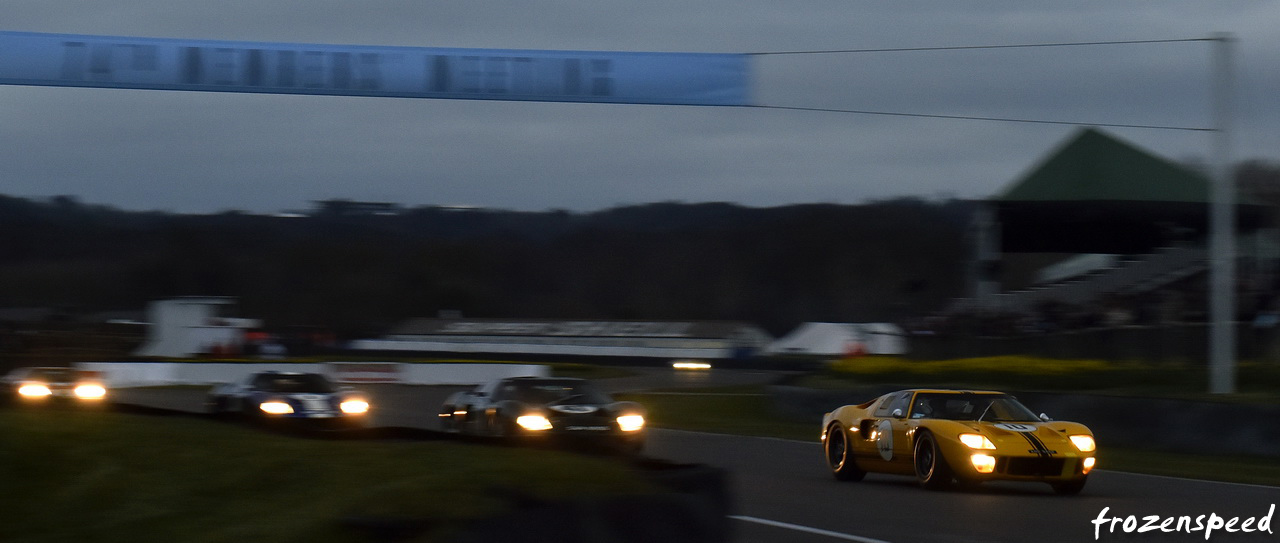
{"x": 782, "y": 492}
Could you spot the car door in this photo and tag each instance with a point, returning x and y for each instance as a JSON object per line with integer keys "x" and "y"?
{"x": 887, "y": 447}
{"x": 476, "y": 402}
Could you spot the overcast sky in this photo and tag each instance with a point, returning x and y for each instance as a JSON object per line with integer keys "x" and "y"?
{"x": 197, "y": 152}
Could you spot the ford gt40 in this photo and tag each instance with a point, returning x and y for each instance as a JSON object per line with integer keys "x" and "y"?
{"x": 956, "y": 436}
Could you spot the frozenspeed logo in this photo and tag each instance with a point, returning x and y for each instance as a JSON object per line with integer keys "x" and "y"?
{"x": 1208, "y": 524}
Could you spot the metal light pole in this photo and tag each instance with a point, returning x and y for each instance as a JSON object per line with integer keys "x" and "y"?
{"x": 1222, "y": 226}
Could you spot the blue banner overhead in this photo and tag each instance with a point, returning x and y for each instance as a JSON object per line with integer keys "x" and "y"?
{"x": 353, "y": 70}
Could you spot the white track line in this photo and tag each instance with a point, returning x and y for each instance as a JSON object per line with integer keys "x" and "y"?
{"x": 806, "y": 529}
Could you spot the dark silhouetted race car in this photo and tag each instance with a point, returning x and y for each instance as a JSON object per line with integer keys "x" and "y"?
{"x": 546, "y": 409}
{"x": 964, "y": 436}
{"x": 46, "y": 385}
{"x": 305, "y": 398}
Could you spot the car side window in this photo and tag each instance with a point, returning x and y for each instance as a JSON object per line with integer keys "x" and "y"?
{"x": 486, "y": 389}
{"x": 899, "y": 402}
{"x": 506, "y": 392}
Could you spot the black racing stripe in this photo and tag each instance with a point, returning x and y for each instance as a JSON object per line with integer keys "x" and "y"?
{"x": 1037, "y": 446}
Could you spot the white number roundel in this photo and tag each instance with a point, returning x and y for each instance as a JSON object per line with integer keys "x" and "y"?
{"x": 884, "y": 439}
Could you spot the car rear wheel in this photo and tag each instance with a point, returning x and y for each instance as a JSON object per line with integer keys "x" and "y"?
{"x": 931, "y": 468}
{"x": 501, "y": 428}
{"x": 840, "y": 455}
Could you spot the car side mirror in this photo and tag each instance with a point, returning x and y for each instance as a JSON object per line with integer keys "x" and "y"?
{"x": 1045, "y": 417}
{"x": 897, "y": 413}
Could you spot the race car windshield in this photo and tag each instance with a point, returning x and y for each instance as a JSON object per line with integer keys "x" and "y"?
{"x": 988, "y": 407}
{"x": 51, "y": 375}
{"x": 555, "y": 392}
{"x": 291, "y": 384}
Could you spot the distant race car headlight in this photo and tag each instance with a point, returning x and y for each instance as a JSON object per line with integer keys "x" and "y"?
{"x": 1088, "y": 464}
{"x": 90, "y": 392}
{"x": 977, "y": 441}
{"x": 533, "y": 422}
{"x": 690, "y": 365}
{"x": 630, "y": 423}
{"x": 354, "y": 406}
{"x": 1084, "y": 443}
{"x": 34, "y": 390}
{"x": 983, "y": 463}
{"x": 275, "y": 408}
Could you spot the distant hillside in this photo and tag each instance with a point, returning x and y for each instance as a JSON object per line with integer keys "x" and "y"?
{"x": 360, "y": 271}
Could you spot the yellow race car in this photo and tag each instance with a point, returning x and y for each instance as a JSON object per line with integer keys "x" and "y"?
{"x": 964, "y": 436}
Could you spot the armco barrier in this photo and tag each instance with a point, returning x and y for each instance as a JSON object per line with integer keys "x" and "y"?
{"x": 135, "y": 374}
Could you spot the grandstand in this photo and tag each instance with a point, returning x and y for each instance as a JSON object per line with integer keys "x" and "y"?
{"x": 1130, "y": 230}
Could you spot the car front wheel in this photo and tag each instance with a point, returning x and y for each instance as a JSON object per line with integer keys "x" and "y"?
{"x": 931, "y": 468}
{"x": 840, "y": 455}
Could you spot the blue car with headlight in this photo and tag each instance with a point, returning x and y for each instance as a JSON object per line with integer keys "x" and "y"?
{"x": 305, "y": 398}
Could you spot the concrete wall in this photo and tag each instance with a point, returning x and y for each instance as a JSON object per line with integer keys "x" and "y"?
{"x": 134, "y": 374}
{"x": 559, "y": 348}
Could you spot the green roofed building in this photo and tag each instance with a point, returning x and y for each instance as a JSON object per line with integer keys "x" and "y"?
{"x": 1098, "y": 194}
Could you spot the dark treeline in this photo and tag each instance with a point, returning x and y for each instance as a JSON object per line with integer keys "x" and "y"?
{"x": 358, "y": 272}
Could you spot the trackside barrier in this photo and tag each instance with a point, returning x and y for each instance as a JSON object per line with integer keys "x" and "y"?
{"x": 137, "y": 374}
{"x": 525, "y": 349}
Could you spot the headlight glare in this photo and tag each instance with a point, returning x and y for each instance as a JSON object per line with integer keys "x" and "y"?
{"x": 1084, "y": 442}
{"x": 983, "y": 463}
{"x": 630, "y": 423}
{"x": 1088, "y": 464}
{"x": 34, "y": 390}
{"x": 533, "y": 422}
{"x": 354, "y": 406}
{"x": 275, "y": 408}
{"x": 977, "y": 441}
{"x": 91, "y": 392}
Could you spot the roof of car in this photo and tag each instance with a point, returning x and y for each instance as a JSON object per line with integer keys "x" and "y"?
{"x": 951, "y": 391}
{"x": 542, "y": 378}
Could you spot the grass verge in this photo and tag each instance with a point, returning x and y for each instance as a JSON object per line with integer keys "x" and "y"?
{"x": 111, "y": 477}
{"x": 1257, "y": 382}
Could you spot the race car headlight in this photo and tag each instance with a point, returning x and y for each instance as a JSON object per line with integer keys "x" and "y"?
{"x": 90, "y": 392}
{"x": 533, "y": 422}
{"x": 977, "y": 441}
{"x": 354, "y": 406}
{"x": 1084, "y": 442}
{"x": 1088, "y": 464}
{"x": 983, "y": 463}
{"x": 34, "y": 390}
{"x": 275, "y": 408}
{"x": 630, "y": 423}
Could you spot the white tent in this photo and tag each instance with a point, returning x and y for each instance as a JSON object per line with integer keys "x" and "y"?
{"x": 192, "y": 325}
{"x": 840, "y": 339}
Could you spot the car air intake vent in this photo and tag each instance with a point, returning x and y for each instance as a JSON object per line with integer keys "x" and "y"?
{"x": 1030, "y": 467}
